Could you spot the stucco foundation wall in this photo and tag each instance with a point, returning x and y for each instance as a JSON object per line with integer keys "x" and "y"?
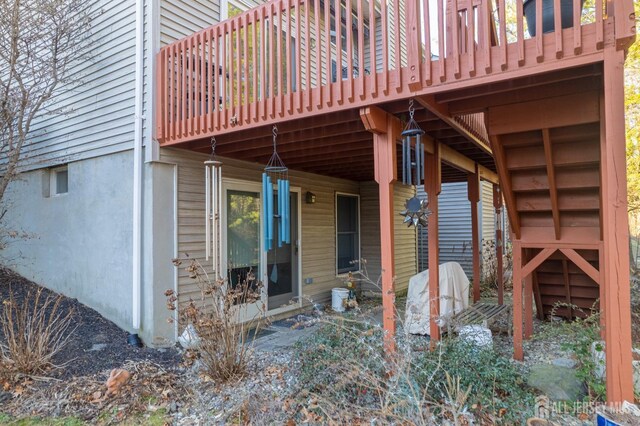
{"x": 80, "y": 242}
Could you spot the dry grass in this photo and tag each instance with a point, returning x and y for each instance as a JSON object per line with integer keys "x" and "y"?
{"x": 222, "y": 335}
{"x": 34, "y": 330}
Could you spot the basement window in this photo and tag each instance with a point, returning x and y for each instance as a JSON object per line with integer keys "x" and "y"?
{"x": 347, "y": 233}
{"x": 60, "y": 180}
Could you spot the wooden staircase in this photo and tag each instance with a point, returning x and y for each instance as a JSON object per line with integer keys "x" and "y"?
{"x": 555, "y": 184}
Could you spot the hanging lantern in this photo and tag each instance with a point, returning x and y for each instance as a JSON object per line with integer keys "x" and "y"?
{"x": 213, "y": 196}
{"x": 412, "y": 151}
{"x": 416, "y": 211}
{"x": 276, "y": 172}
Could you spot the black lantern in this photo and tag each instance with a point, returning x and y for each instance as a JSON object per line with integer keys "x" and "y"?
{"x": 412, "y": 151}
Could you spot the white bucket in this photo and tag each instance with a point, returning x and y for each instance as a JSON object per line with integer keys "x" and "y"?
{"x": 338, "y": 295}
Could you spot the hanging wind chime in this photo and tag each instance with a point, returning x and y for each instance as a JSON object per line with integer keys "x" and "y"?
{"x": 277, "y": 172}
{"x": 416, "y": 210}
{"x": 213, "y": 195}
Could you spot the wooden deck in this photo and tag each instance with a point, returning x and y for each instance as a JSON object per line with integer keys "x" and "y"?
{"x": 542, "y": 118}
{"x": 280, "y": 61}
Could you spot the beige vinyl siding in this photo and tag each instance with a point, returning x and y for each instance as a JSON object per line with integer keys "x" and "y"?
{"x": 488, "y": 212}
{"x": 405, "y": 257}
{"x": 92, "y": 114}
{"x": 318, "y": 241}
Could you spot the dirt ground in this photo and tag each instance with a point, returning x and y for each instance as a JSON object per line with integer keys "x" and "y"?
{"x": 96, "y": 345}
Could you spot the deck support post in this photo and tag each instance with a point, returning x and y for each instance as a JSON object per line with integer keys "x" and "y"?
{"x": 615, "y": 232}
{"x": 497, "y": 205}
{"x": 386, "y": 131}
{"x": 528, "y": 301}
{"x": 473, "y": 193}
{"x": 433, "y": 186}
{"x": 517, "y": 301}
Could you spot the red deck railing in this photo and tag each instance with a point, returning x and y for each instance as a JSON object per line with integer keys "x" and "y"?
{"x": 300, "y": 57}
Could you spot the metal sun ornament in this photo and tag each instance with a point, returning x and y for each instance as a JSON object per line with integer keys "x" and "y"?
{"x": 416, "y": 210}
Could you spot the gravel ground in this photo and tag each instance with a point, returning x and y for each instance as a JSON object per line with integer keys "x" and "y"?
{"x": 80, "y": 356}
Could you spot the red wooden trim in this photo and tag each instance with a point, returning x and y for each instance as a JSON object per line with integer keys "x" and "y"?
{"x": 396, "y": 41}
{"x": 617, "y": 305}
{"x": 537, "y": 296}
{"x": 349, "y": 37}
{"x": 441, "y": 39}
{"x": 557, "y": 23}
{"x": 471, "y": 33}
{"x": 384, "y": 148}
{"x": 327, "y": 50}
{"x": 455, "y": 36}
{"x": 373, "y": 63}
{"x": 581, "y": 263}
{"x": 599, "y": 24}
{"x": 551, "y": 175}
{"x": 537, "y": 261}
{"x": 255, "y": 68}
{"x": 426, "y": 43}
{"x": 433, "y": 185}
{"x": 577, "y": 26}
{"x": 517, "y": 301}
{"x": 307, "y": 44}
{"x": 413, "y": 40}
{"x": 497, "y": 204}
{"x": 361, "y": 64}
{"x": 505, "y": 183}
{"x": 520, "y": 31}
{"x": 473, "y": 193}
{"x": 528, "y": 303}
{"x": 539, "y": 33}
{"x": 316, "y": 20}
{"x": 567, "y": 288}
{"x": 502, "y": 16}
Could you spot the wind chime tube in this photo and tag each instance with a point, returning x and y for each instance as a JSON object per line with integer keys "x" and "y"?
{"x": 269, "y": 213}
{"x": 280, "y": 213}
{"x": 404, "y": 160}
{"x": 216, "y": 186}
{"x": 419, "y": 163}
{"x": 207, "y": 210}
{"x": 287, "y": 210}
{"x": 265, "y": 212}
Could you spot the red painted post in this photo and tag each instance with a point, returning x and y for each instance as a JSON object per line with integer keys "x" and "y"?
{"x": 615, "y": 232}
{"x": 497, "y": 204}
{"x": 517, "y": 301}
{"x": 473, "y": 192}
{"x": 433, "y": 186}
{"x": 386, "y": 130}
{"x": 528, "y": 301}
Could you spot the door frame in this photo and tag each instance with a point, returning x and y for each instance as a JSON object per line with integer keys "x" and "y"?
{"x": 252, "y": 186}
{"x": 298, "y": 303}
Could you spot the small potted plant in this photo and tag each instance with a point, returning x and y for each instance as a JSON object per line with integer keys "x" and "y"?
{"x": 548, "y": 22}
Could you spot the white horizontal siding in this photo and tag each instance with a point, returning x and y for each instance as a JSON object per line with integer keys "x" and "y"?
{"x": 180, "y": 18}
{"x": 94, "y": 112}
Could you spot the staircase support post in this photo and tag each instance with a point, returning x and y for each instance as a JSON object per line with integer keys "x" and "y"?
{"x": 473, "y": 193}
{"x": 497, "y": 205}
{"x": 615, "y": 232}
{"x": 433, "y": 186}
{"x": 517, "y": 301}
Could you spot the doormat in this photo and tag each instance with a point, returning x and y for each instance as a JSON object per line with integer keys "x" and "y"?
{"x": 251, "y": 335}
{"x": 297, "y": 322}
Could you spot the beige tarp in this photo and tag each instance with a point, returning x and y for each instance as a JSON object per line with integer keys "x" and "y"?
{"x": 454, "y": 297}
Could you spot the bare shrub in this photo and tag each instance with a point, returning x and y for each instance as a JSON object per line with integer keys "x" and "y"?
{"x": 219, "y": 318}
{"x": 489, "y": 278}
{"x": 34, "y": 330}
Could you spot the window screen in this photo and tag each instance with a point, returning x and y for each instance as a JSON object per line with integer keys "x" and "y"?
{"x": 348, "y": 233}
